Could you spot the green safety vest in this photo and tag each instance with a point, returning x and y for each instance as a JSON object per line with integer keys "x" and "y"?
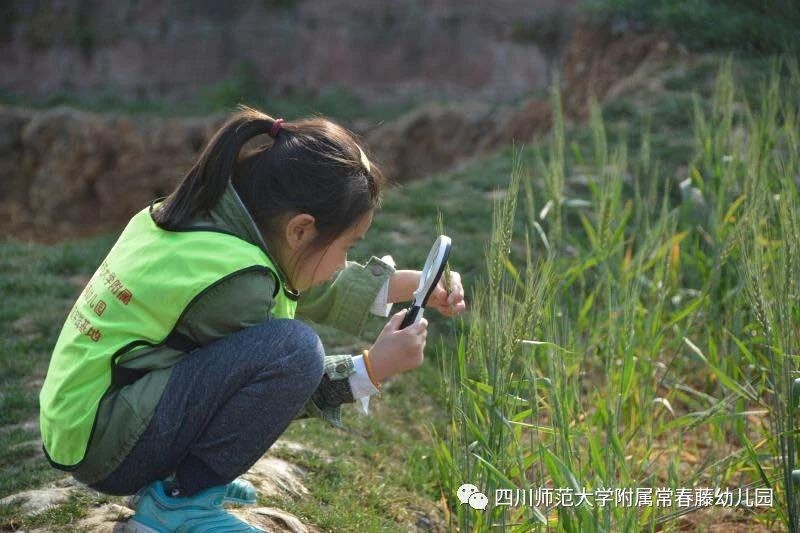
{"x": 135, "y": 298}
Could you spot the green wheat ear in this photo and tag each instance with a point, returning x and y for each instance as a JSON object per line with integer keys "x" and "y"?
{"x": 440, "y": 229}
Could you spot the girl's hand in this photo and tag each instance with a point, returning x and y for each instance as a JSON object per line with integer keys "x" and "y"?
{"x": 448, "y": 304}
{"x": 398, "y": 350}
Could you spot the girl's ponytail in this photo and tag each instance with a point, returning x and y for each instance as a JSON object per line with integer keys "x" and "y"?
{"x": 205, "y": 183}
{"x": 313, "y": 166}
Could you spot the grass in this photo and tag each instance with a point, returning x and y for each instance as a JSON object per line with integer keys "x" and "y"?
{"x": 376, "y": 476}
{"x": 56, "y": 518}
{"x": 42, "y": 282}
{"x": 637, "y": 340}
{"x": 613, "y": 275}
{"x": 241, "y": 88}
{"x": 39, "y": 284}
{"x": 702, "y": 25}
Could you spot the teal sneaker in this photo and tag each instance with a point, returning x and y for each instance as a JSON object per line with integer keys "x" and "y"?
{"x": 156, "y": 512}
{"x": 240, "y": 492}
{"x": 237, "y": 492}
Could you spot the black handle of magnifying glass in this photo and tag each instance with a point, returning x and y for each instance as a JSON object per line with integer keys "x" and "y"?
{"x": 411, "y": 315}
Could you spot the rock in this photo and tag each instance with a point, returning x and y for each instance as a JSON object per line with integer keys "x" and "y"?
{"x": 287, "y": 445}
{"x": 271, "y": 476}
{"x": 424, "y": 523}
{"x": 276, "y": 477}
{"x": 272, "y": 519}
{"x": 106, "y": 518}
{"x": 36, "y": 501}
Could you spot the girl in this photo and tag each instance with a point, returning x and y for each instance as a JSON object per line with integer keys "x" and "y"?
{"x": 181, "y": 362}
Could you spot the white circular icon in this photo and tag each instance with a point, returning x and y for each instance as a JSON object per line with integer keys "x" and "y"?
{"x": 478, "y": 501}
{"x": 469, "y": 493}
{"x": 465, "y": 491}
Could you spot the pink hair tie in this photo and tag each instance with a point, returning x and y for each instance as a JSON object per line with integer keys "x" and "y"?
{"x": 276, "y": 127}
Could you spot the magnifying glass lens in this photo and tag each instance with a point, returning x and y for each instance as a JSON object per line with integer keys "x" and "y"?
{"x": 431, "y": 273}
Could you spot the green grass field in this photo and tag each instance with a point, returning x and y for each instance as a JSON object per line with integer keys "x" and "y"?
{"x": 645, "y": 334}
{"x": 623, "y": 331}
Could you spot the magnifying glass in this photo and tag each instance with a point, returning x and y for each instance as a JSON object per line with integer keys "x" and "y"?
{"x": 431, "y": 272}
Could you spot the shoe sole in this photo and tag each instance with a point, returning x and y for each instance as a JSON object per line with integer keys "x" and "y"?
{"x": 132, "y": 526}
{"x": 132, "y": 501}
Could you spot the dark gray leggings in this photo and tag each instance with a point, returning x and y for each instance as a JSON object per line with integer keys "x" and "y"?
{"x": 225, "y": 404}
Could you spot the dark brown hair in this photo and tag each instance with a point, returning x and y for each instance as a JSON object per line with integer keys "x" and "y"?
{"x": 312, "y": 166}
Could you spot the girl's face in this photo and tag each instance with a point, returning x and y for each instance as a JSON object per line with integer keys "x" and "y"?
{"x": 319, "y": 266}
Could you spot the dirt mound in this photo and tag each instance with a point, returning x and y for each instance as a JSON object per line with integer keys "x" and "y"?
{"x": 272, "y": 476}
{"x": 597, "y": 63}
{"x": 65, "y": 173}
{"x": 599, "y": 60}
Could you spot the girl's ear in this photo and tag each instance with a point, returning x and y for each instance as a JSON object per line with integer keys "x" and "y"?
{"x": 300, "y": 230}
